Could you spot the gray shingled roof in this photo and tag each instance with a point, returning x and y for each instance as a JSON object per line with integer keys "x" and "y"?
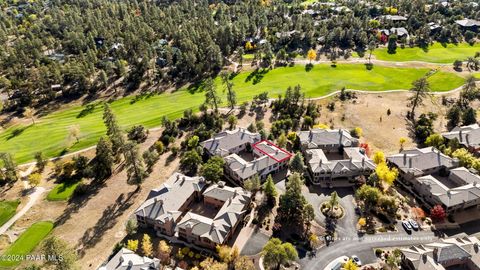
{"x": 224, "y": 142}
{"x": 319, "y": 138}
{"x": 468, "y": 136}
{"x": 318, "y": 162}
{"x": 166, "y": 201}
{"x": 416, "y": 161}
{"x": 451, "y": 252}
{"x": 126, "y": 259}
{"x": 216, "y": 229}
{"x": 468, "y": 23}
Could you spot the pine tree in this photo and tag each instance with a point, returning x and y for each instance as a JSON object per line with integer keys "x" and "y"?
{"x": 211, "y": 96}
{"x": 297, "y": 164}
{"x": 270, "y": 189}
{"x": 104, "y": 159}
{"x": 134, "y": 163}
{"x": 9, "y": 172}
{"x": 231, "y": 95}
{"x": 113, "y": 130}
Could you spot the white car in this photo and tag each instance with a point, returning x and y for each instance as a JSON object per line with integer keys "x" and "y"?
{"x": 414, "y": 224}
{"x": 356, "y": 260}
{"x": 337, "y": 264}
{"x": 407, "y": 226}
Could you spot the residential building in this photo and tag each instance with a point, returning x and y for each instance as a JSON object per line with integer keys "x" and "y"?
{"x": 419, "y": 162}
{"x": 434, "y": 178}
{"x": 461, "y": 252}
{"x": 188, "y": 210}
{"x": 126, "y": 259}
{"x": 468, "y": 24}
{"x": 229, "y": 142}
{"x": 266, "y": 158}
{"x": 246, "y": 155}
{"x": 165, "y": 206}
{"x": 467, "y": 136}
{"x": 342, "y": 171}
{"x": 460, "y": 190}
{"x": 204, "y": 231}
{"x": 329, "y": 140}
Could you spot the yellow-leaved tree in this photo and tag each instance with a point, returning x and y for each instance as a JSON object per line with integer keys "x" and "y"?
{"x": 386, "y": 175}
{"x": 378, "y": 157}
{"x": 147, "y": 246}
{"x": 132, "y": 245}
{"x": 311, "y": 55}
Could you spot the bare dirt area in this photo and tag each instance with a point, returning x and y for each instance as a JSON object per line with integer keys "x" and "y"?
{"x": 369, "y": 111}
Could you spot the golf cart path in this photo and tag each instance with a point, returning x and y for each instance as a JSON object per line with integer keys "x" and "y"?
{"x": 33, "y": 197}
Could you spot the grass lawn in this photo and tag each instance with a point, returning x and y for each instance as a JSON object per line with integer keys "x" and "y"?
{"x": 49, "y": 134}
{"x": 27, "y": 241}
{"x": 435, "y": 53}
{"x": 476, "y": 75}
{"x": 7, "y": 210}
{"x": 62, "y": 191}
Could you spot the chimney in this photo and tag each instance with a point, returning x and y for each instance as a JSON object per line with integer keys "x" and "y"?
{"x": 363, "y": 162}
{"x": 130, "y": 264}
{"x": 467, "y": 139}
{"x": 410, "y": 162}
{"x": 404, "y": 158}
{"x": 449, "y": 193}
{"x": 178, "y": 176}
{"x": 121, "y": 260}
{"x": 460, "y": 133}
{"x": 310, "y": 135}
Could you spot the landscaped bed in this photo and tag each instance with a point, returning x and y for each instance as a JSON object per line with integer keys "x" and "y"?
{"x": 49, "y": 133}
{"x": 62, "y": 191}
{"x": 27, "y": 241}
{"x": 7, "y": 210}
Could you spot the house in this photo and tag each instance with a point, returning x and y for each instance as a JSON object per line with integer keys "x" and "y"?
{"x": 467, "y": 136}
{"x": 329, "y": 140}
{"x": 246, "y": 155}
{"x": 460, "y": 190}
{"x": 328, "y": 172}
{"x": 398, "y": 31}
{"x": 468, "y": 24}
{"x": 461, "y": 252}
{"x": 266, "y": 158}
{"x": 126, "y": 259}
{"x": 229, "y": 142}
{"x": 419, "y": 162}
{"x": 186, "y": 209}
{"x": 204, "y": 231}
{"x": 165, "y": 206}
{"x": 393, "y": 18}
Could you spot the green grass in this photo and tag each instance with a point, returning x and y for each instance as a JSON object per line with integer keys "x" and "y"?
{"x": 435, "y": 53}
{"x": 7, "y": 210}
{"x": 476, "y": 75}
{"x": 26, "y": 243}
{"x": 50, "y": 132}
{"x": 62, "y": 191}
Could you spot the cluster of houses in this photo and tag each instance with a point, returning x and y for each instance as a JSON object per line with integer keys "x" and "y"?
{"x": 462, "y": 252}
{"x": 191, "y": 211}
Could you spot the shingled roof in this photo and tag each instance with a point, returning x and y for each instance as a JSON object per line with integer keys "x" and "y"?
{"x": 355, "y": 162}
{"x": 165, "y": 202}
{"x": 417, "y": 161}
{"x": 320, "y": 138}
{"x": 224, "y": 143}
{"x": 126, "y": 259}
{"x": 468, "y": 136}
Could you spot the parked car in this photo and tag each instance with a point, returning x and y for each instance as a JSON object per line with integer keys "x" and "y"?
{"x": 407, "y": 226}
{"x": 414, "y": 224}
{"x": 356, "y": 260}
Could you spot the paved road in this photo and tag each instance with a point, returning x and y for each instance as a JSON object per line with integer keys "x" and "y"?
{"x": 363, "y": 247}
{"x": 33, "y": 197}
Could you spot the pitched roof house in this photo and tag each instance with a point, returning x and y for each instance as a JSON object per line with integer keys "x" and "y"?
{"x": 330, "y": 172}
{"x": 421, "y": 161}
{"x": 326, "y": 139}
{"x": 461, "y": 252}
{"x": 126, "y": 259}
{"x": 169, "y": 210}
{"x": 468, "y": 23}
{"x": 467, "y": 136}
{"x": 229, "y": 141}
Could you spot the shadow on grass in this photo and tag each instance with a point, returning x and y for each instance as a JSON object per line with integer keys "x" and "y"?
{"x": 196, "y": 87}
{"x": 17, "y": 132}
{"x": 89, "y": 108}
{"x": 257, "y": 75}
{"x": 308, "y": 67}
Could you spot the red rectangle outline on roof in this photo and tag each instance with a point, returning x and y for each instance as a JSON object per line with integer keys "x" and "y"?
{"x": 289, "y": 155}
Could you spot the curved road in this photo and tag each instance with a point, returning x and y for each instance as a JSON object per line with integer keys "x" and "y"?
{"x": 363, "y": 247}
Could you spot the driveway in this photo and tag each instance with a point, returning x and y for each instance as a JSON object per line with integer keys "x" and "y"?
{"x": 33, "y": 197}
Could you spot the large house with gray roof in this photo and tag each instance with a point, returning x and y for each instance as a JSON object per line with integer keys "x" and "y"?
{"x": 328, "y": 172}
{"x": 189, "y": 210}
{"x": 329, "y": 140}
{"x": 467, "y": 136}
{"x": 436, "y": 179}
{"x": 246, "y": 155}
{"x": 462, "y": 252}
{"x": 333, "y": 157}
